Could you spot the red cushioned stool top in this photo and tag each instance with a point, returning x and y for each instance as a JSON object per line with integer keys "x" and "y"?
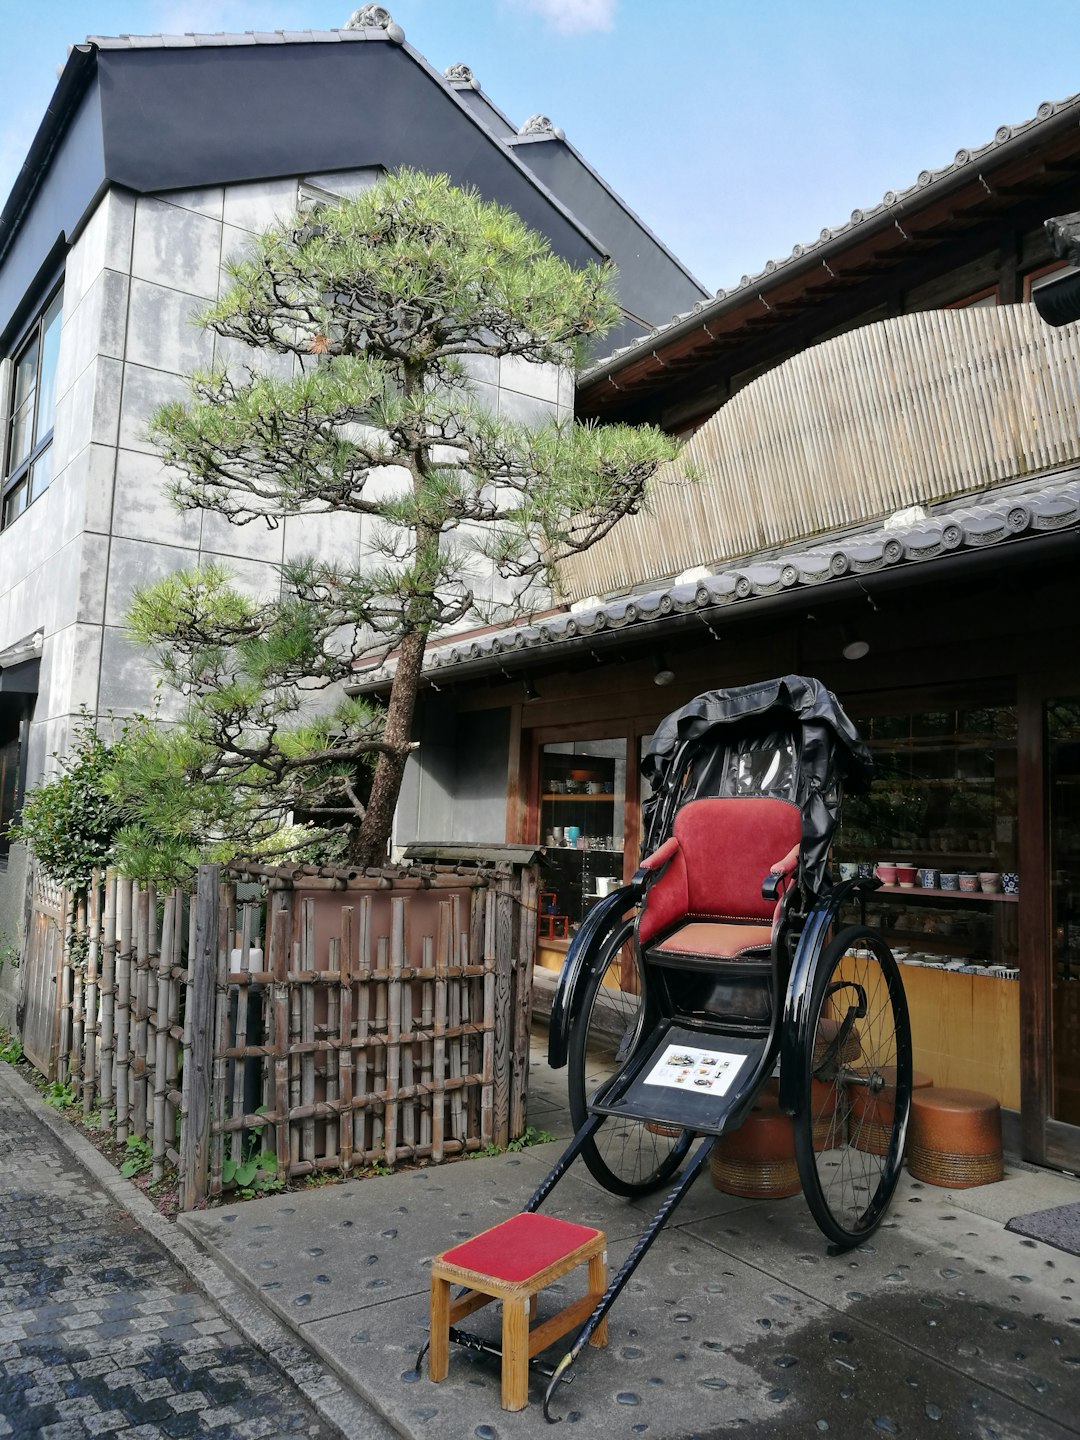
{"x": 519, "y": 1247}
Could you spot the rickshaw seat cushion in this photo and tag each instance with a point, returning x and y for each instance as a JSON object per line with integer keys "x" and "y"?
{"x": 725, "y": 848}
{"x": 711, "y": 939}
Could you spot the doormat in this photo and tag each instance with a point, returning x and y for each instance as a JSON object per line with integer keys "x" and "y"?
{"x": 1059, "y": 1227}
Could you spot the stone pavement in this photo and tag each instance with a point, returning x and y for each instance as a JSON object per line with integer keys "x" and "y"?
{"x": 101, "y": 1332}
{"x": 738, "y": 1318}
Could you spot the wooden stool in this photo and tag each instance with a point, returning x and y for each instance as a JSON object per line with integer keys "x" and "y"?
{"x": 871, "y": 1116}
{"x": 513, "y": 1262}
{"x": 955, "y": 1138}
{"x": 757, "y": 1161}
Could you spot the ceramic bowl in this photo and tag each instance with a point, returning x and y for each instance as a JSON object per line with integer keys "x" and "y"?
{"x": 848, "y": 870}
{"x": 1010, "y": 882}
{"x": 969, "y": 883}
{"x": 949, "y": 881}
{"x": 905, "y": 876}
{"x": 989, "y": 882}
{"x": 886, "y": 874}
{"x": 928, "y": 878}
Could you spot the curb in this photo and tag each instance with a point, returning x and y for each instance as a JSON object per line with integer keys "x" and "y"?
{"x": 335, "y": 1403}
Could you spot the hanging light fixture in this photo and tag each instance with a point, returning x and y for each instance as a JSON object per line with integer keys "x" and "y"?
{"x": 663, "y": 675}
{"x": 855, "y": 647}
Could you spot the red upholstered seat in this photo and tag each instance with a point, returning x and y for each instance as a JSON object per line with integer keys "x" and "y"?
{"x": 520, "y": 1247}
{"x": 713, "y": 868}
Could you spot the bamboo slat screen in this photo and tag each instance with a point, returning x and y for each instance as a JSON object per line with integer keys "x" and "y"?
{"x": 401, "y": 1035}
{"x": 906, "y": 411}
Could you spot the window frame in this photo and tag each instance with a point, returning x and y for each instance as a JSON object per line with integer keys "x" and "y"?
{"x": 17, "y": 478}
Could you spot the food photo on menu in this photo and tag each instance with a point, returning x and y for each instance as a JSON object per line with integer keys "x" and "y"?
{"x": 681, "y": 1067}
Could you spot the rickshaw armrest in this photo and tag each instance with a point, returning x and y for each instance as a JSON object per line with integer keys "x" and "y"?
{"x": 779, "y": 872}
{"x": 659, "y": 858}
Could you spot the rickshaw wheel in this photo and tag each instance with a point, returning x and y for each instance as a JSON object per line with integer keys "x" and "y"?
{"x": 856, "y": 1086}
{"x": 627, "y": 1157}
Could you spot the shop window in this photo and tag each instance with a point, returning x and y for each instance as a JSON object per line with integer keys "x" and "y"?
{"x": 31, "y": 405}
{"x": 982, "y": 299}
{"x": 1047, "y": 275}
{"x": 939, "y": 826}
{"x": 582, "y": 810}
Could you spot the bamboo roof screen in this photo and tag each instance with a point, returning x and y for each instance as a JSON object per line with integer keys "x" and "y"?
{"x": 907, "y": 411}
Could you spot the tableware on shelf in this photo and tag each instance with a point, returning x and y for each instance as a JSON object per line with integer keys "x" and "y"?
{"x": 559, "y": 833}
{"x": 949, "y": 881}
{"x": 595, "y": 787}
{"x": 989, "y": 882}
{"x": 905, "y": 876}
{"x": 928, "y": 878}
{"x": 1010, "y": 882}
{"x": 848, "y": 870}
{"x": 556, "y": 787}
{"x": 573, "y": 834}
{"x": 886, "y": 873}
{"x": 969, "y": 882}
{"x": 866, "y": 870}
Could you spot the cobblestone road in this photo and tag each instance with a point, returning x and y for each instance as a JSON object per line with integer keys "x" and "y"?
{"x": 100, "y": 1332}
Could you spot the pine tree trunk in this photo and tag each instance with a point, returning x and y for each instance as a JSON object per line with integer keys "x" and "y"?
{"x": 368, "y": 844}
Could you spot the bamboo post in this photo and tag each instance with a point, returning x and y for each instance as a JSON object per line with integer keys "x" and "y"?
{"x": 161, "y": 1036}
{"x": 409, "y": 1107}
{"x": 361, "y": 1063}
{"x": 226, "y": 920}
{"x": 457, "y": 1007}
{"x": 77, "y": 1000}
{"x": 438, "y": 1059}
{"x": 378, "y": 1114}
{"x": 328, "y": 1064}
{"x": 522, "y": 998}
{"x": 393, "y": 1027}
{"x": 306, "y": 992}
{"x": 90, "y": 994}
{"x": 174, "y": 1046}
{"x": 504, "y": 965}
{"x": 487, "y": 1115}
{"x": 427, "y": 1049}
{"x": 236, "y": 1108}
{"x": 141, "y": 1012}
{"x": 345, "y": 1039}
{"x": 198, "y": 1057}
{"x": 123, "y": 1008}
{"x": 279, "y": 936}
{"x": 107, "y": 1048}
{"x": 67, "y": 995}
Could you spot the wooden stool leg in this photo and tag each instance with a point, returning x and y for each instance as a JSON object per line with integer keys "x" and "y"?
{"x": 598, "y": 1278}
{"x": 534, "y": 1301}
{"x": 439, "y": 1348}
{"x": 515, "y": 1353}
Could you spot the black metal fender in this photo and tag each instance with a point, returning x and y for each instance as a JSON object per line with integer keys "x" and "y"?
{"x": 794, "y": 1031}
{"x": 592, "y": 945}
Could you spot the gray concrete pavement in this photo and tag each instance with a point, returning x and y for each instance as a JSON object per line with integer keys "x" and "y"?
{"x": 737, "y": 1319}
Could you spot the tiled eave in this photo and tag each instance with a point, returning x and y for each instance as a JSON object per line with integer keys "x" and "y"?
{"x": 1017, "y": 515}
{"x": 979, "y": 184}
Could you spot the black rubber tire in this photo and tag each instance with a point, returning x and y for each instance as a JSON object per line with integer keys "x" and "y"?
{"x": 624, "y": 1156}
{"x": 850, "y": 1170}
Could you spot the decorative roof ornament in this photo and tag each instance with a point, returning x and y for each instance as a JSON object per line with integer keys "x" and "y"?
{"x": 375, "y": 17}
{"x": 460, "y": 74}
{"x": 540, "y": 125}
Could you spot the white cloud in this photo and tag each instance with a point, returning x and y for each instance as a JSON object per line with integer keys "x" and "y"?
{"x": 573, "y": 17}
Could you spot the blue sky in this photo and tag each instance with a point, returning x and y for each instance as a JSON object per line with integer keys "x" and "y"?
{"x": 735, "y": 128}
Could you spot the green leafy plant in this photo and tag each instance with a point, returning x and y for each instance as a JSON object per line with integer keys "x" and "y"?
{"x": 140, "y": 1157}
{"x": 384, "y": 306}
{"x": 254, "y": 1174}
{"x": 60, "y": 1095}
{"x": 69, "y": 823}
{"x": 531, "y": 1135}
{"x": 11, "y": 1048}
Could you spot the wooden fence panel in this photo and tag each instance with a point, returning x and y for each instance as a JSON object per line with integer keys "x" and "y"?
{"x": 40, "y": 1029}
{"x": 384, "y": 1019}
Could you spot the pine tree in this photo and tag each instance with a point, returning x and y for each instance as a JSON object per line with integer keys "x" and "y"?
{"x": 384, "y": 302}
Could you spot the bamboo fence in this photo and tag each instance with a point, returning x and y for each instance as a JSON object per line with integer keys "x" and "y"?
{"x": 325, "y": 1020}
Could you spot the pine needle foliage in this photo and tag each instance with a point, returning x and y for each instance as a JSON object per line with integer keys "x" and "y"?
{"x": 375, "y": 314}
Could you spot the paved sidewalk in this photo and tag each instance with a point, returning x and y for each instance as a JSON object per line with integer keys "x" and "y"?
{"x": 102, "y": 1332}
{"x": 737, "y": 1319}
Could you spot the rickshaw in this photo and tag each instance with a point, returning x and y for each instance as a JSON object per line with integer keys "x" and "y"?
{"x": 723, "y": 961}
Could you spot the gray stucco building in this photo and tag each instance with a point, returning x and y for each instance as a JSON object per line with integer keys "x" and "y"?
{"x": 159, "y": 157}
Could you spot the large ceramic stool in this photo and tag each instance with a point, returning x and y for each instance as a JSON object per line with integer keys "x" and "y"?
{"x": 871, "y": 1116}
{"x": 955, "y": 1138}
{"x": 513, "y": 1262}
{"x": 757, "y": 1161}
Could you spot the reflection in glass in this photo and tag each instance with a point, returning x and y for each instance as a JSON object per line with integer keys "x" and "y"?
{"x": 1063, "y": 755}
{"x": 582, "y": 809}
